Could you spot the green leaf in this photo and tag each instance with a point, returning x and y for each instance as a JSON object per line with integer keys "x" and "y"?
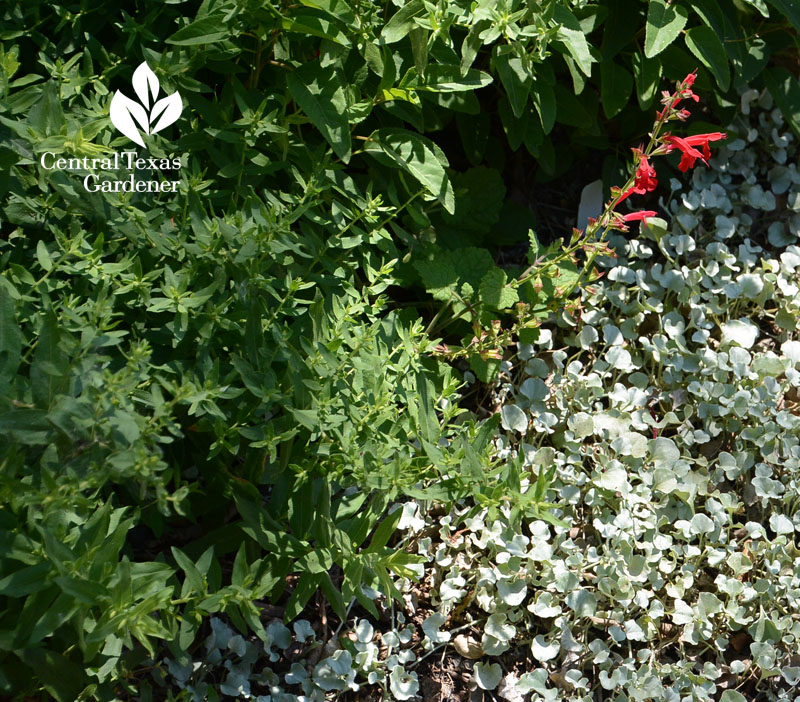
{"x": 784, "y": 88}
{"x": 315, "y": 26}
{"x": 647, "y": 74}
{"x": 790, "y": 9}
{"x": 664, "y": 24}
{"x": 193, "y": 582}
{"x": 240, "y": 567}
{"x": 544, "y": 100}
{"x": 25, "y": 581}
{"x": 516, "y": 79}
{"x": 703, "y": 42}
{"x": 63, "y": 678}
{"x": 616, "y": 85}
{"x": 571, "y": 34}
{"x": 47, "y": 115}
{"x": 83, "y": 590}
{"x": 206, "y": 30}
{"x": 444, "y": 78}
{"x": 494, "y": 291}
{"x": 570, "y": 110}
{"x": 10, "y": 341}
{"x": 305, "y": 587}
{"x": 416, "y": 155}
{"x": 402, "y": 21}
{"x": 50, "y": 365}
{"x": 321, "y": 95}
{"x": 384, "y": 531}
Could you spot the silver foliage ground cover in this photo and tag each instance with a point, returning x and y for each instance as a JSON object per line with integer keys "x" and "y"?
{"x": 671, "y": 410}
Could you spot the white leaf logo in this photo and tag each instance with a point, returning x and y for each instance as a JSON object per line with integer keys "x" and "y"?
{"x": 126, "y": 114}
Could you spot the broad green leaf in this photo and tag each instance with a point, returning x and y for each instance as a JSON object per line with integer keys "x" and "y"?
{"x": 416, "y": 155}
{"x": 571, "y": 34}
{"x": 615, "y": 87}
{"x": 205, "y": 30}
{"x": 495, "y": 292}
{"x": 515, "y": 78}
{"x": 785, "y": 90}
{"x": 664, "y": 24}
{"x": 647, "y": 74}
{"x": 703, "y": 42}
{"x": 320, "y": 94}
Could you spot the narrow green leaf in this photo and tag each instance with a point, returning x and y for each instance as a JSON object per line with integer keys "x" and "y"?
{"x": 384, "y": 531}
{"x": 305, "y": 587}
{"x": 544, "y": 100}
{"x": 194, "y": 580}
{"x": 50, "y": 364}
{"x": 315, "y": 26}
{"x": 664, "y": 24}
{"x": 446, "y": 78}
{"x": 206, "y": 30}
{"x": 703, "y": 42}
{"x": 240, "y": 567}
{"x": 25, "y": 580}
{"x": 320, "y": 94}
{"x": 573, "y": 38}
{"x": 402, "y": 21}
{"x": 10, "y": 340}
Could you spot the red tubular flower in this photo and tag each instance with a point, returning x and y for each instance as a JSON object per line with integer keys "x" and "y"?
{"x": 703, "y": 139}
{"x": 642, "y": 216}
{"x": 688, "y": 153}
{"x": 645, "y": 178}
{"x": 687, "y": 144}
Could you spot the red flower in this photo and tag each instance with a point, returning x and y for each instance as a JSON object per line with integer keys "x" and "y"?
{"x": 644, "y": 180}
{"x": 689, "y": 80}
{"x": 687, "y": 144}
{"x": 645, "y": 174}
{"x": 642, "y": 216}
{"x": 703, "y": 139}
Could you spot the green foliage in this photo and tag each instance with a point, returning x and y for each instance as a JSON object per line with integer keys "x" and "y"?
{"x": 222, "y": 367}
